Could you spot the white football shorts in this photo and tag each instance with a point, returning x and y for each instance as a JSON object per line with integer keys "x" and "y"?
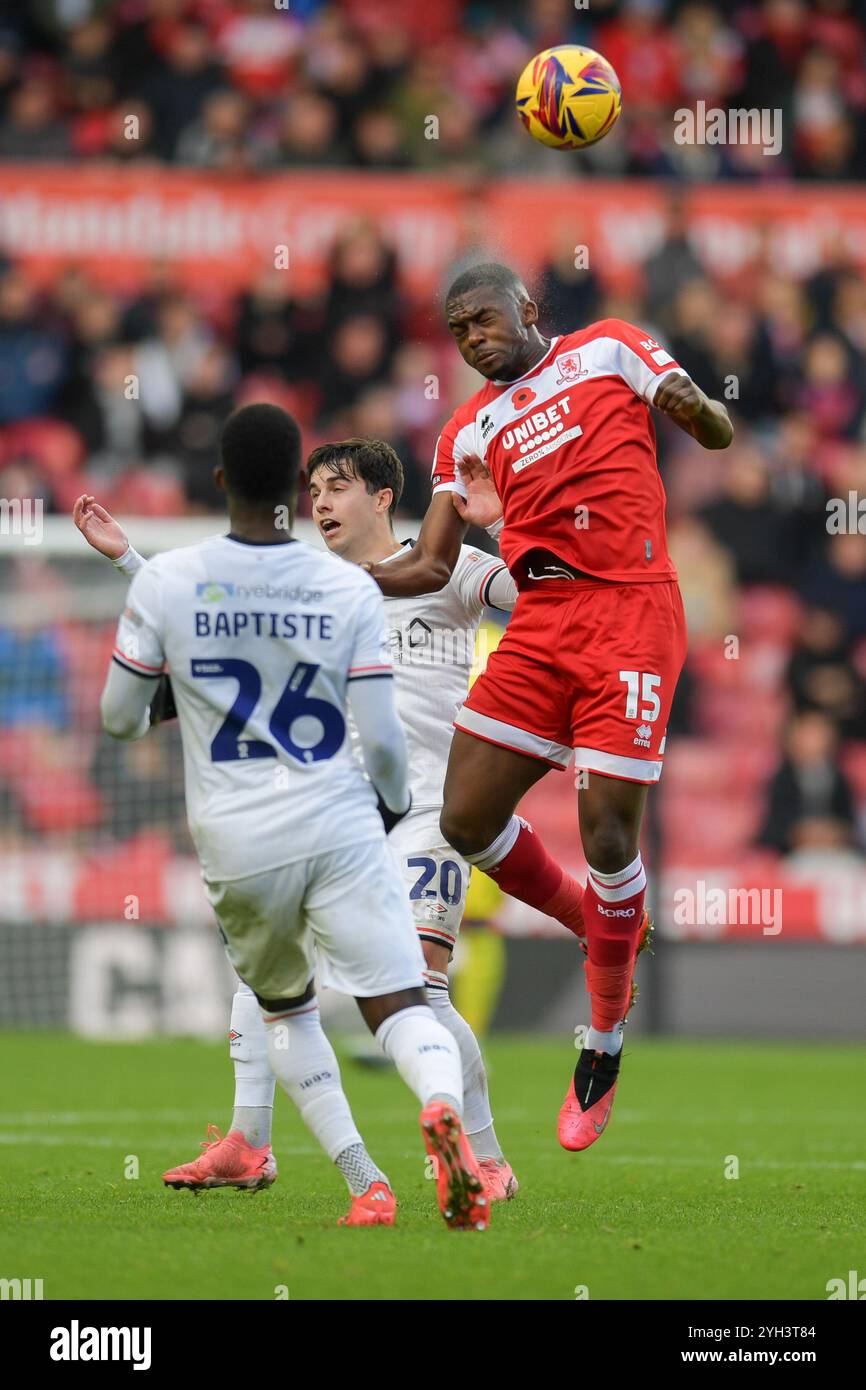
{"x": 435, "y": 875}
{"x": 343, "y": 913}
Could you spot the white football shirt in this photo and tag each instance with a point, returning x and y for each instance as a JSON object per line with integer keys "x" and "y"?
{"x": 261, "y": 641}
{"x": 432, "y": 640}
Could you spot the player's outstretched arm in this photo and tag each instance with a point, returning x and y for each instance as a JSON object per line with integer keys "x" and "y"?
{"x": 687, "y": 405}
{"x": 430, "y": 563}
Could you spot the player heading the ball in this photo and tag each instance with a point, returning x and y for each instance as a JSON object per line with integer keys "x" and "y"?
{"x": 562, "y": 429}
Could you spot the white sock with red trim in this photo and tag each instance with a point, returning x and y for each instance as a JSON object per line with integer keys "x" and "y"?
{"x": 306, "y": 1067}
{"x": 425, "y": 1055}
{"x": 477, "y": 1116}
{"x": 254, "y": 1080}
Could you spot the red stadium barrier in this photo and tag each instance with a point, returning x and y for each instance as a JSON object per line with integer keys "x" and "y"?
{"x": 144, "y": 881}
{"x": 118, "y": 222}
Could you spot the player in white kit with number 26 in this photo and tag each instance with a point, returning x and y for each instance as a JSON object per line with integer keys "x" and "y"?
{"x": 271, "y": 644}
{"x": 355, "y": 486}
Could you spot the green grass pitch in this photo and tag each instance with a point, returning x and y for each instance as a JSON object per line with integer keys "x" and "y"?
{"x": 646, "y": 1213}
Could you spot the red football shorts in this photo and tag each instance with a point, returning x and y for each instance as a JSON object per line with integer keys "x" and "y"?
{"x": 588, "y": 670}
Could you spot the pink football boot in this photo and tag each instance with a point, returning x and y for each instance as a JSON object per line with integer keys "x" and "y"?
{"x": 376, "y": 1207}
{"x": 500, "y": 1184}
{"x": 459, "y": 1185}
{"x": 589, "y": 1100}
{"x": 229, "y": 1162}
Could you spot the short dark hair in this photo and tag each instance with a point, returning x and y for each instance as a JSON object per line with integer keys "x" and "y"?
{"x": 492, "y": 273}
{"x": 371, "y": 460}
{"x": 260, "y": 449}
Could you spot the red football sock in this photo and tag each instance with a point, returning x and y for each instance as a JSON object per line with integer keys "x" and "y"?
{"x": 529, "y": 873}
{"x": 566, "y": 905}
{"x": 613, "y": 906}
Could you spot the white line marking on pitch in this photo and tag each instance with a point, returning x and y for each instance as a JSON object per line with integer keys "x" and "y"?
{"x": 92, "y": 1141}
{"x": 856, "y": 1165}
{"x": 85, "y": 1117}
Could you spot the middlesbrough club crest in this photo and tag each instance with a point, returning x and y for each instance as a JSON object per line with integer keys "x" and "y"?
{"x": 570, "y": 368}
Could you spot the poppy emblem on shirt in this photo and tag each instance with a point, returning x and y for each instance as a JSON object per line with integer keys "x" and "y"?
{"x": 522, "y": 397}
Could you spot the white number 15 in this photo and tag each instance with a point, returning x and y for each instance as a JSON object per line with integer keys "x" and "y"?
{"x": 641, "y": 684}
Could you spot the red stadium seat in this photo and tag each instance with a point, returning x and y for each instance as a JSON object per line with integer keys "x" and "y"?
{"x": 143, "y": 493}
{"x": 55, "y": 447}
{"x": 58, "y": 799}
{"x": 755, "y": 719}
{"x": 139, "y": 867}
{"x": 853, "y": 762}
{"x": 708, "y": 829}
{"x": 700, "y": 764}
{"x": 300, "y": 402}
{"x": 18, "y": 750}
{"x": 769, "y": 613}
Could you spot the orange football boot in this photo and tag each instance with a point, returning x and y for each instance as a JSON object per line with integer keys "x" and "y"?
{"x": 376, "y": 1207}
{"x": 229, "y": 1162}
{"x": 459, "y": 1184}
{"x": 585, "y": 1112}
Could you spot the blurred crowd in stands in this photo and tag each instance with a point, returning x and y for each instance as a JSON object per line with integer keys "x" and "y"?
{"x": 246, "y": 85}
{"x": 124, "y": 396}
{"x": 769, "y": 731}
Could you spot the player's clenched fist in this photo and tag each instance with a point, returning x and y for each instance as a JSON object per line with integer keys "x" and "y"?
{"x": 678, "y": 395}
{"x": 707, "y": 421}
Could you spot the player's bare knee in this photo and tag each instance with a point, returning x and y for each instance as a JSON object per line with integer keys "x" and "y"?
{"x": 611, "y": 846}
{"x": 375, "y": 1009}
{"x": 460, "y": 833}
{"x": 451, "y": 825}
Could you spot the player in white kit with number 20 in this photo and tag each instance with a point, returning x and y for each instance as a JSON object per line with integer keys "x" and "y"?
{"x": 271, "y": 644}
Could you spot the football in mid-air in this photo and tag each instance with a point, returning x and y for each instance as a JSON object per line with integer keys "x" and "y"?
{"x": 568, "y": 97}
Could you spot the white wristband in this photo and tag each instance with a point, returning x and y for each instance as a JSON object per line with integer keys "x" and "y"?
{"x": 129, "y": 562}
{"x": 495, "y": 528}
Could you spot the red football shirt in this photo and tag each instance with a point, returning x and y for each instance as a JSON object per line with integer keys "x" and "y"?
{"x": 571, "y": 450}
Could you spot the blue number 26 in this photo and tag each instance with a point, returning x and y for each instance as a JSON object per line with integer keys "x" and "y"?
{"x": 229, "y": 745}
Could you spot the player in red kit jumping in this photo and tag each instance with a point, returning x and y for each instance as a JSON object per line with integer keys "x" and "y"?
{"x": 562, "y": 431}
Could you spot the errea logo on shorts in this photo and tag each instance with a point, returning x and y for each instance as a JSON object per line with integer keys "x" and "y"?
{"x": 643, "y": 736}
